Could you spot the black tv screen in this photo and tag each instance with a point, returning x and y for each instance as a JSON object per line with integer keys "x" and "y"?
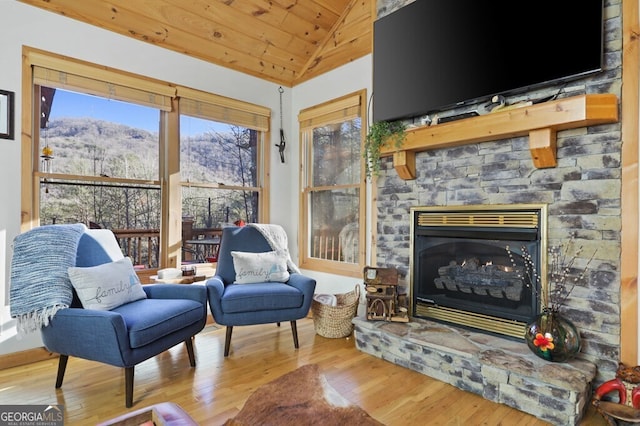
{"x": 433, "y": 55}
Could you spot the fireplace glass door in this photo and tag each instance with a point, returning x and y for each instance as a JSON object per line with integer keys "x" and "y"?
{"x": 466, "y": 275}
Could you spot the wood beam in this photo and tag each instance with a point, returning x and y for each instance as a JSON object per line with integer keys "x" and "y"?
{"x": 542, "y": 145}
{"x": 629, "y": 196}
{"x": 405, "y": 164}
{"x": 541, "y": 122}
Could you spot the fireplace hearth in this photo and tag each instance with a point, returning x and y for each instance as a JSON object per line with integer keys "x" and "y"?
{"x": 462, "y": 272}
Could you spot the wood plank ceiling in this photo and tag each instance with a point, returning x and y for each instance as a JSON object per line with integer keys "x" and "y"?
{"x": 283, "y": 41}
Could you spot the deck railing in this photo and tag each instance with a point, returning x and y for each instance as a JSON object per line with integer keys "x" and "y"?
{"x": 326, "y": 246}
{"x": 200, "y": 252}
{"x": 141, "y": 245}
{"x": 341, "y": 246}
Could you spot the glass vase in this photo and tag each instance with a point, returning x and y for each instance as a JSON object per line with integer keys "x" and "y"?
{"x": 553, "y": 337}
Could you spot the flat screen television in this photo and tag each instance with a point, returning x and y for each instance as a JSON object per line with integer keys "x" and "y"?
{"x": 434, "y": 55}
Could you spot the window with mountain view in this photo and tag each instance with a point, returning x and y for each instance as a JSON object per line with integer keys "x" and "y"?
{"x": 221, "y": 167}
{"x": 140, "y": 157}
{"x": 219, "y": 175}
{"x": 218, "y": 169}
{"x": 100, "y": 167}
{"x": 333, "y": 185}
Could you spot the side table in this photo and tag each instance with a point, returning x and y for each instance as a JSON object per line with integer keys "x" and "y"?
{"x": 181, "y": 280}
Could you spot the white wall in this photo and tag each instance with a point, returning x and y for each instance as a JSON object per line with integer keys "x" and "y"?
{"x": 24, "y": 25}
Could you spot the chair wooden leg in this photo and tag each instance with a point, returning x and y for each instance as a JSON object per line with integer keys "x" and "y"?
{"x": 192, "y": 356}
{"x": 294, "y": 331}
{"x": 227, "y": 340}
{"x": 128, "y": 386}
{"x": 62, "y": 367}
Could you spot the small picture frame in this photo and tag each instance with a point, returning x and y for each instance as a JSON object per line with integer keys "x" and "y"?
{"x": 6, "y": 114}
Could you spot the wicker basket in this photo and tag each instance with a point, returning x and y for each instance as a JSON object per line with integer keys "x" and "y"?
{"x": 335, "y": 321}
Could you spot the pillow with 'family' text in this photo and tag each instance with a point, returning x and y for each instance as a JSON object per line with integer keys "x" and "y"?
{"x": 260, "y": 267}
{"x": 107, "y": 286}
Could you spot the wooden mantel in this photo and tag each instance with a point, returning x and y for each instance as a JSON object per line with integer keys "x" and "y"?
{"x": 540, "y": 122}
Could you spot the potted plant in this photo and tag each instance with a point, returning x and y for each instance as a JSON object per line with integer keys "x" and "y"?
{"x": 380, "y": 133}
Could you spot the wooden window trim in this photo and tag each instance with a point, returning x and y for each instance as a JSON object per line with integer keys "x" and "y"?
{"x": 222, "y": 109}
{"x": 53, "y": 68}
{"x": 209, "y": 106}
{"x": 334, "y": 111}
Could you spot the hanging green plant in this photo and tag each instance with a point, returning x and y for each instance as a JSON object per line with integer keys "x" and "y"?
{"x": 380, "y": 133}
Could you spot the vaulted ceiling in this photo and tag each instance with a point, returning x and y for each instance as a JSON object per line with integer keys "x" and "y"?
{"x": 283, "y": 41}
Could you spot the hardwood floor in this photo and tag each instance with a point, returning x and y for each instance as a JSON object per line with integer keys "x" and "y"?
{"x": 217, "y": 388}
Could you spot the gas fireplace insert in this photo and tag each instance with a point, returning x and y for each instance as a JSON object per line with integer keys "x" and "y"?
{"x": 461, "y": 270}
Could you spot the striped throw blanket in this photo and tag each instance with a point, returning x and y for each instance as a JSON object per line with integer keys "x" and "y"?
{"x": 40, "y": 284}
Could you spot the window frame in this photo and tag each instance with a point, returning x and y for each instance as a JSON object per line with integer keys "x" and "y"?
{"x": 221, "y": 109}
{"x": 333, "y": 111}
{"x": 128, "y": 84}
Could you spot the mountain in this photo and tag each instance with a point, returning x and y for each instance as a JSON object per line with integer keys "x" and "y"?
{"x": 86, "y": 146}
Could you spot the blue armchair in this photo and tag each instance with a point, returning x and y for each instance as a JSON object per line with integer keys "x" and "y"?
{"x": 233, "y": 304}
{"x": 128, "y": 334}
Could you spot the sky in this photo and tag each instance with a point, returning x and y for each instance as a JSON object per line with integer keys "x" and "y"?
{"x": 71, "y": 104}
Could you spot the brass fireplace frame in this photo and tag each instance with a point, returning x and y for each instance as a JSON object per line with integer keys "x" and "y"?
{"x": 485, "y": 216}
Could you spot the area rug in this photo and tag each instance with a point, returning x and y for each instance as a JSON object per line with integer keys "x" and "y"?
{"x": 301, "y": 397}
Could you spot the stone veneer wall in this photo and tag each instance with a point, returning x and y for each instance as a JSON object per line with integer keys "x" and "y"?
{"x": 582, "y": 192}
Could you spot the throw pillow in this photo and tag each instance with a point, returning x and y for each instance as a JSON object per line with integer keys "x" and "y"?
{"x": 107, "y": 286}
{"x": 260, "y": 267}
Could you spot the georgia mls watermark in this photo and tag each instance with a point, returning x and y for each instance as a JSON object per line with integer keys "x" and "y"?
{"x": 31, "y": 415}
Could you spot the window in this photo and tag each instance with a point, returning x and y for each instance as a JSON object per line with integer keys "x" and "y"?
{"x": 333, "y": 185}
{"x": 90, "y": 164}
{"x": 220, "y": 167}
{"x": 98, "y": 170}
{"x": 219, "y": 172}
{"x": 105, "y": 148}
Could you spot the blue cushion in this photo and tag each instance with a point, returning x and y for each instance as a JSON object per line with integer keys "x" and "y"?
{"x": 149, "y": 320}
{"x": 260, "y": 297}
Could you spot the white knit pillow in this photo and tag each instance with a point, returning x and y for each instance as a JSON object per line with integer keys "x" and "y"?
{"x": 107, "y": 286}
{"x": 260, "y": 267}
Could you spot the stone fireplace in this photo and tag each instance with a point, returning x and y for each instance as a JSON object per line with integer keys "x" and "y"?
{"x": 469, "y": 307}
{"x": 500, "y": 370}
{"x": 582, "y": 195}
{"x": 461, "y": 272}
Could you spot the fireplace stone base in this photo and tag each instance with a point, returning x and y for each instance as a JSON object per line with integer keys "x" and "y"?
{"x": 498, "y": 369}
